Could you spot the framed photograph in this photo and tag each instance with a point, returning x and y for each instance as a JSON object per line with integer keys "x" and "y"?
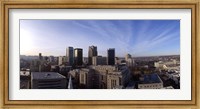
{"x": 102, "y": 54}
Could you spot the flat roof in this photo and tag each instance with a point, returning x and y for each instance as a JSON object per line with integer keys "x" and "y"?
{"x": 150, "y": 78}
{"x": 46, "y": 75}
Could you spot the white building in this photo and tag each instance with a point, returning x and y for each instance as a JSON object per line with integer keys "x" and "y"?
{"x": 114, "y": 80}
{"x": 62, "y": 60}
{"x": 168, "y": 65}
{"x": 129, "y": 60}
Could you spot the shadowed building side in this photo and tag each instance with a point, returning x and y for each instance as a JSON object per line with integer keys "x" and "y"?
{"x": 111, "y": 56}
{"x": 70, "y": 55}
{"x": 92, "y": 51}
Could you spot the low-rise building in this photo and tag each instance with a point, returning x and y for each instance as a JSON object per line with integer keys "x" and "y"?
{"x": 25, "y": 79}
{"x": 150, "y": 81}
{"x": 47, "y": 80}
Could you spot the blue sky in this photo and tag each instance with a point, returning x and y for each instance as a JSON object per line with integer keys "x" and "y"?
{"x": 136, "y": 37}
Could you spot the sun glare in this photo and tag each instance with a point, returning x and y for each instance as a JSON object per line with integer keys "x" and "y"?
{"x": 26, "y": 43}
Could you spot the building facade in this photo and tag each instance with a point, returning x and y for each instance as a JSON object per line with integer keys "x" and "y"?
{"x": 111, "y": 56}
{"x": 99, "y": 60}
{"x": 114, "y": 80}
{"x": 92, "y": 51}
{"x": 70, "y": 55}
{"x": 78, "y": 56}
{"x": 150, "y": 81}
{"x": 62, "y": 60}
{"x": 87, "y": 78}
{"x": 129, "y": 60}
{"x": 47, "y": 80}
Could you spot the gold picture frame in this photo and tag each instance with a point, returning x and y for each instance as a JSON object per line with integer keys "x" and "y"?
{"x": 100, "y": 4}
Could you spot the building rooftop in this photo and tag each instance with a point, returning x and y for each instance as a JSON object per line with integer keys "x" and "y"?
{"x": 24, "y": 73}
{"x": 115, "y": 73}
{"x": 168, "y": 87}
{"x": 150, "y": 78}
{"x": 46, "y": 75}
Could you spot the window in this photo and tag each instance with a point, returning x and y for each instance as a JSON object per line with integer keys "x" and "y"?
{"x": 120, "y": 81}
{"x": 82, "y": 78}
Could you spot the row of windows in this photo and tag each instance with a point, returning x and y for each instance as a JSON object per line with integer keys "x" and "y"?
{"x": 101, "y": 68}
{"x": 48, "y": 81}
{"x": 149, "y": 86}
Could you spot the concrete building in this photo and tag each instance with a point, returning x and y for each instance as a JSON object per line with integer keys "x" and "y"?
{"x": 74, "y": 74}
{"x": 35, "y": 65}
{"x": 128, "y": 56}
{"x": 129, "y": 60}
{"x": 111, "y": 56}
{"x": 70, "y": 55}
{"x": 99, "y": 60}
{"x": 62, "y": 60}
{"x": 87, "y": 78}
{"x": 47, "y": 80}
{"x": 101, "y": 72}
{"x": 78, "y": 56}
{"x": 25, "y": 79}
{"x": 167, "y": 65}
{"x": 114, "y": 80}
{"x": 150, "y": 81}
{"x": 92, "y": 51}
{"x": 104, "y": 68}
{"x": 110, "y": 77}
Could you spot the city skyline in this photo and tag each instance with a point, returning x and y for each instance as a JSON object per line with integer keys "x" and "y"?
{"x": 136, "y": 37}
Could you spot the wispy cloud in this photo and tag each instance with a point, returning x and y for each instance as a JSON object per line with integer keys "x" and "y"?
{"x": 137, "y": 37}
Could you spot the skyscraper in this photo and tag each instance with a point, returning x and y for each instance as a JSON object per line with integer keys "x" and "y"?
{"x": 129, "y": 60}
{"x": 111, "y": 56}
{"x": 40, "y": 56}
{"x": 92, "y": 51}
{"x": 127, "y": 56}
{"x": 78, "y": 56}
{"x": 70, "y": 55}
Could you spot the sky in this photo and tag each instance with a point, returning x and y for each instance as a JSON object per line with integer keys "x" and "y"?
{"x": 136, "y": 37}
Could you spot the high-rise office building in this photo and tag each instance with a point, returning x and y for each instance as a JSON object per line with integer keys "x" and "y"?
{"x": 99, "y": 60}
{"x": 78, "y": 56}
{"x": 70, "y": 55}
{"x": 127, "y": 56}
{"x": 92, "y": 51}
{"x": 40, "y": 56}
{"x": 129, "y": 60}
{"x": 111, "y": 56}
